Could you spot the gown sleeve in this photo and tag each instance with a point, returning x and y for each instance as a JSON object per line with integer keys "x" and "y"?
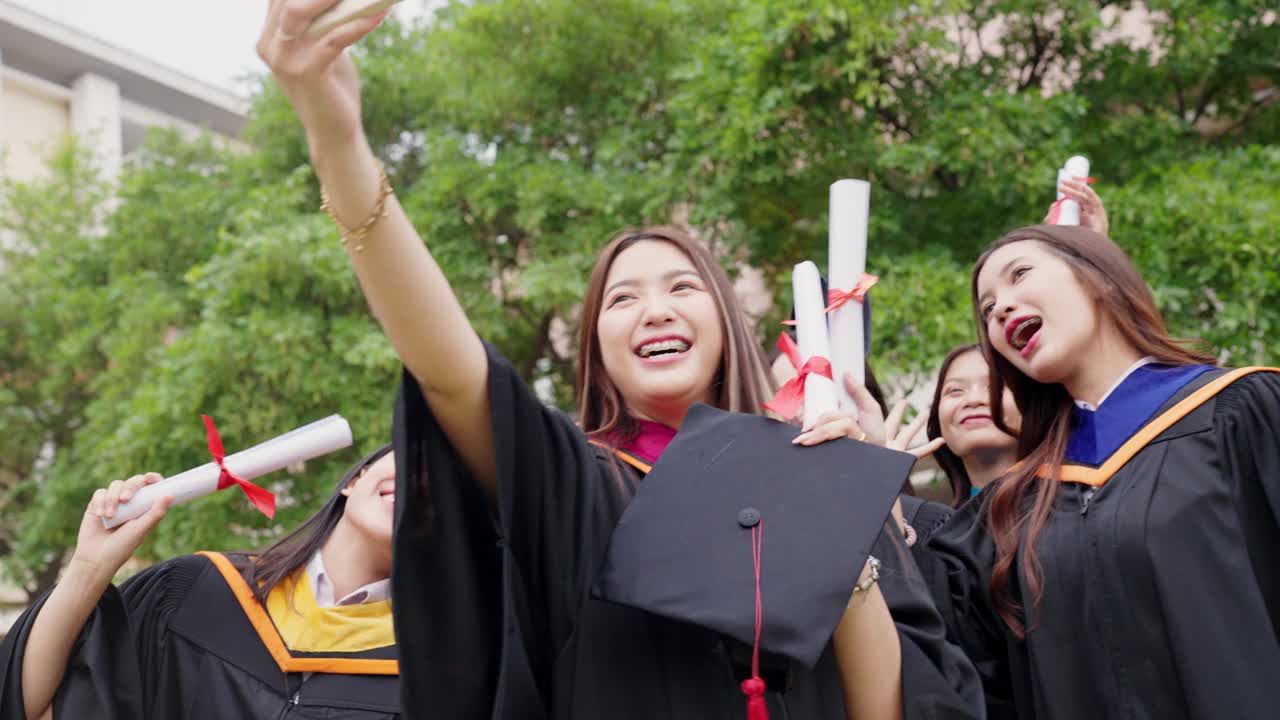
{"x": 112, "y": 666}
{"x": 1248, "y": 414}
{"x": 1246, "y": 418}
{"x": 485, "y": 596}
{"x": 938, "y": 681}
{"x": 956, "y": 561}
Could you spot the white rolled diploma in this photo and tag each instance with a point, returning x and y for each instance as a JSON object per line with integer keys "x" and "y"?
{"x": 1076, "y": 167}
{"x": 811, "y": 337}
{"x": 847, "y": 261}
{"x": 310, "y": 441}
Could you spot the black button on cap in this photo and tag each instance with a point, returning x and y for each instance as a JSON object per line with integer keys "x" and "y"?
{"x": 748, "y": 517}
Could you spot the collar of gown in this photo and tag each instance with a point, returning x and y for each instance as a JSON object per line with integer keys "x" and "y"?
{"x": 1097, "y": 433}
{"x": 648, "y": 444}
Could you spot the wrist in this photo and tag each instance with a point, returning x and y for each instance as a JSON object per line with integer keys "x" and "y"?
{"x": 86, "y": 575}
{"x": 867, "y": 581}
{"x": 339, "y": 152}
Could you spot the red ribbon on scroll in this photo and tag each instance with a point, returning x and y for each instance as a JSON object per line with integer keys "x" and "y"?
{"x": 1055, "y": 210}
{"x": 836, "y": 297}
{"x": 789, "y": 399}
{"x": 261, "y": 498}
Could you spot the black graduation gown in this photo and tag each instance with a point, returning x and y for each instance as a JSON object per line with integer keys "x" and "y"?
{"x": 495, "y": 617}
{"x": 926, "y": 517}
{"x": 1161, "y": 587}
{"x": 174, "y": 641}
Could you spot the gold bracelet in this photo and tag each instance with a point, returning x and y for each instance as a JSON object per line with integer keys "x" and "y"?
{"x": 379, "y": 211}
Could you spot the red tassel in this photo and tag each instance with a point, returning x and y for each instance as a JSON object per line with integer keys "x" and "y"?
{"x": 753, "y": 687}
{"x": 757, "y": 708}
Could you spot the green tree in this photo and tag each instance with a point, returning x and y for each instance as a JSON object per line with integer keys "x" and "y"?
{"x": 521, "y": 134}
{"x": 51, "y": 323}
{"x": 1205, "y": 236}
{"x": 959, "y": 112}
{"x": 222, "y": 297}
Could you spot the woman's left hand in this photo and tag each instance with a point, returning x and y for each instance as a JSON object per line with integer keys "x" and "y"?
{"x": 1093, "y": 214}
{"x": 830, "y": 426}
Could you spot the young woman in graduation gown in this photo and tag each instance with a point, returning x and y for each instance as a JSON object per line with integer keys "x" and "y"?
{"x": 1125, "y": 567}
{"x": 301, "y": 631}
{"x": 505, "y": 508}
{"x": 975, "y": 451}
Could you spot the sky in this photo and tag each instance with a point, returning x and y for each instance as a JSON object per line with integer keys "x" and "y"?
{"x": 211, "y": 40}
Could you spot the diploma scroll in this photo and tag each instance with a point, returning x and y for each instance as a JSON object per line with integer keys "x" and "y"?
{"x": 1068, "y": 210}
{"x": 310, "y": 441}
{"x": 847, "y": 261}
{"x": 811, "y": 336}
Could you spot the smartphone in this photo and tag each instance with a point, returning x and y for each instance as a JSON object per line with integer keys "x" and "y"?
{"x": 345, "y": 11}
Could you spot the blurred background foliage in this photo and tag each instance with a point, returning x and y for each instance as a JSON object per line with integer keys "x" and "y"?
{"x": 521, "y": 134}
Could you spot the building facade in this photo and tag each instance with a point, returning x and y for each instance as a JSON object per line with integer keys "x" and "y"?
{"x": 55, "y": 81}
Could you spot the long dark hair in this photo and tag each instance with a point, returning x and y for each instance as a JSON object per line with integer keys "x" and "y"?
{"x": 294, "y": 550}
{"x": 744, "y": 384}
{"x": 1020, "y": 503}
{"x": 951, "y": 464}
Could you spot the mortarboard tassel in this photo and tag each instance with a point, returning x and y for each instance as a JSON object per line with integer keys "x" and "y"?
{"x": 753, "y": 687}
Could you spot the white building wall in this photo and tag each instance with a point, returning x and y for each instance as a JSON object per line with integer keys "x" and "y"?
{"x": 96, "y": 121}
{"x": 34, "y": 118}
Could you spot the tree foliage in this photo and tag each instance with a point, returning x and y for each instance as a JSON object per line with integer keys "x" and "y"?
{"x": 521, "y": 134}
{"x": 51, "y": 325}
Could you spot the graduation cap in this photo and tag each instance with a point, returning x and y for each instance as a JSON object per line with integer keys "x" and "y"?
{"x": 739, "y": 531}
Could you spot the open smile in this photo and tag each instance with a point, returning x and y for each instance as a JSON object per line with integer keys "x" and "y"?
{"x": 1022, "y": 333}
{"x": 662, "y": 349}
